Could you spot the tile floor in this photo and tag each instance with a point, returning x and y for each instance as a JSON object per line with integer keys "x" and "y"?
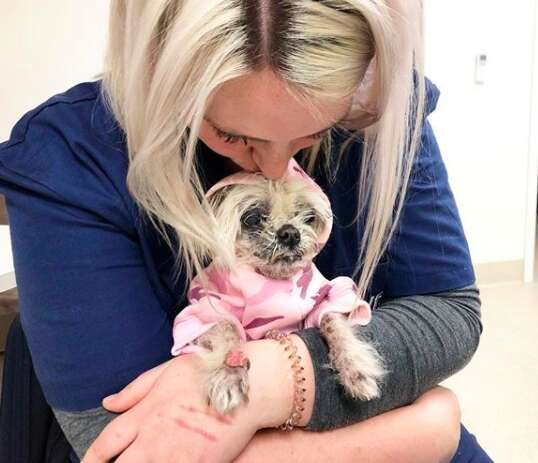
{"x": 497, "y": 390}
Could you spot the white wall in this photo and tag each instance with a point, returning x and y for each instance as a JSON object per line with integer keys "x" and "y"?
{"x": 47, "y": 47}
{"x": 483, "y": 130}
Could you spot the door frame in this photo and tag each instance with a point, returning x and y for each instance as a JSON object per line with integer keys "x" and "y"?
{"x": 532, "y": 163}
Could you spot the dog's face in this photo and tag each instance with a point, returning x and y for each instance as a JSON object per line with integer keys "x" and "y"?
{"x": 275, "y": 224}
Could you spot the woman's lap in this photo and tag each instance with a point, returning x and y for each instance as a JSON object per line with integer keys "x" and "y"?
{"x": 469, "y": 450}
{"x": 14, "y": 422}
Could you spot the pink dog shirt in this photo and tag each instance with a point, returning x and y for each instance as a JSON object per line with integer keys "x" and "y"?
{"x": 257, "y": 304}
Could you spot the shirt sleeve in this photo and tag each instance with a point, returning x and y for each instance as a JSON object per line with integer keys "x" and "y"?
{"x": 428, "y": 252}
{"x": 90, "y": 315}
{"x": 339, "y": 296}
{"x": 208, "y": 306}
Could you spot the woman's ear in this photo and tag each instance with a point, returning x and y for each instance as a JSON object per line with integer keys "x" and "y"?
{"x": 364, "y": 111}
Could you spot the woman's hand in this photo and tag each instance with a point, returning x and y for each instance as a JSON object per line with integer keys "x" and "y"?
{"x": 166, "y": 417}
{"x": 168, "y": 420}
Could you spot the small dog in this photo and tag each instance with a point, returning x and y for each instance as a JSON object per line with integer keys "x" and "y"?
{"x": 277, "y": 227}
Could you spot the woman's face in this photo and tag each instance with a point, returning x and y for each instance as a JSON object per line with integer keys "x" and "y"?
{"x": 253, "y": 121}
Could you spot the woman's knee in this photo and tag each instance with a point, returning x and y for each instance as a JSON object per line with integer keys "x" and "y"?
{"x": 440, "y": 409}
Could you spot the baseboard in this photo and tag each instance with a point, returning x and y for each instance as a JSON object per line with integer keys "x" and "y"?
{"x": 491, "y": 273}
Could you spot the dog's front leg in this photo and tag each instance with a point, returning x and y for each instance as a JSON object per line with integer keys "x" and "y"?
{"x": 226, "y": 367}
{"x": 358, "y": 364}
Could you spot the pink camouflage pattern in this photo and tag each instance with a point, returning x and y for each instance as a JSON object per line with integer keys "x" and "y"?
{"x": 257, "y": 304}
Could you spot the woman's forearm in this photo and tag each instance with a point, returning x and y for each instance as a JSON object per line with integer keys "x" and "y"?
{"x": 426, "y": 431}
{"x": 423, "y": 339}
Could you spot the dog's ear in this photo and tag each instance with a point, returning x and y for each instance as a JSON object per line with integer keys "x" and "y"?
{"x": 216, "y": 198}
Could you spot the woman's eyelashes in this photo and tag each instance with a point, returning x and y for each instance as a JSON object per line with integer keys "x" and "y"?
{"x": 229, "y": 138}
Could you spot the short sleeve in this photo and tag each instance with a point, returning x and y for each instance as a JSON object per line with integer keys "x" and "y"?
{"x": 428, "y": 252}
{"x": 90, "y": 315}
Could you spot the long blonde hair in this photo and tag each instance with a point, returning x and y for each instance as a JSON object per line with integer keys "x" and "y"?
{"x": 166, "y": 58}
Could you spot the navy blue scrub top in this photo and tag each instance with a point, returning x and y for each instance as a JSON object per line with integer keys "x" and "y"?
{"x": 96, "y": 293}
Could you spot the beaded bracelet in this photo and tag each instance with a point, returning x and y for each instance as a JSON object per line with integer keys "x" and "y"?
{"x": 298, "y": 402}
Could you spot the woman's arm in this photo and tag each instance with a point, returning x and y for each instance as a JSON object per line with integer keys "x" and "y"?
{"x": 426, "y": 431}
{"x": 423, "y": 339}
{"x": 440, "y": 330}
{"x": 82, "y": 428}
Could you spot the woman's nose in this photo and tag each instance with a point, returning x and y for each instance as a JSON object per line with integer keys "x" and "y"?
{"x": 272, "y": 163}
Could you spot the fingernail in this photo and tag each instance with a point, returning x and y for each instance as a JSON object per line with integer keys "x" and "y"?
{"x": 110, "y": 397}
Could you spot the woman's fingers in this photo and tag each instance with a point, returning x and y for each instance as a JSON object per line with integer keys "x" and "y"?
{"x": 114, "y": 438}
{"x": 135, "y": 391}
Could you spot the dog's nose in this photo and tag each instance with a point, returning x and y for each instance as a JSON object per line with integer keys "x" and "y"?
{"x": 288, "y": 235}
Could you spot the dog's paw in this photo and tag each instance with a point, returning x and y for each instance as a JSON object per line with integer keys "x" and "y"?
{"x": 227, "y": 388}
{"x": 359, "y": 386}
{"x": 359, "y": 370}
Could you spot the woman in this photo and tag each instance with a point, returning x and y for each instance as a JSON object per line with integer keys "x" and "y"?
{"x": 104, "y": 188}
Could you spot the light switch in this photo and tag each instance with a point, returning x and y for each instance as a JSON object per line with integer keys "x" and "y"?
{"x": 481, "y": 66}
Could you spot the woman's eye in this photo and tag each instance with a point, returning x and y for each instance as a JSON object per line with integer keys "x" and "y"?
{"x": 228, "y": 138}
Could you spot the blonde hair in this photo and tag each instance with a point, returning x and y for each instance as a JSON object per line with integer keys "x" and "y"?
{"x": 166, "y": 58}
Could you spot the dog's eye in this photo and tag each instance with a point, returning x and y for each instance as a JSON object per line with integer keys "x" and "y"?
{"x": 252, "y": 218}
{"x": 310, "y": 218}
